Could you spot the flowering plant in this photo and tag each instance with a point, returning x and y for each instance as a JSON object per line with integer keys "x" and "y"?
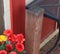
{"x": 11, "y": 43}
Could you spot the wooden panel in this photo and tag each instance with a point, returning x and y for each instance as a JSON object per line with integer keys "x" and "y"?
{"x": 47, "y": 28}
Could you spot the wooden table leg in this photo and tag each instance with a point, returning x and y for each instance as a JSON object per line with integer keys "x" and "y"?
{"x": 33, "y": 32}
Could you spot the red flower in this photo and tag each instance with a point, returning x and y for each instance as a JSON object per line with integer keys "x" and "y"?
{"x": 3, "y": 52}
{"x": 19, "y": 47}
{"x": 12, "y": 52}
{"x": 13, "y": 38}
{"x": 7, "y": 32}
{"x": 9, "y": 47}
{"x": 20, "y": 38}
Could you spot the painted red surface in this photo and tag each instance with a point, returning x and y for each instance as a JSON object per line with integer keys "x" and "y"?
{"x": 17, "y": 8}
{"x": 47, "y": 28}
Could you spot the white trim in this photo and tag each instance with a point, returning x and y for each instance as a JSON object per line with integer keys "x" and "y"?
{"x": 28, "y": 1}
{"x": 7, "y": 14}
{"x": 49, "y": 38}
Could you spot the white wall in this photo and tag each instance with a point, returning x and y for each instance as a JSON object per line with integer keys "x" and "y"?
{"x": 7, "y": 14}
{"x": 28, "y": 1}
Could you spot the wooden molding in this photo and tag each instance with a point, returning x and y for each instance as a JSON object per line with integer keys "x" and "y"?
{"x": 49, "y": 38}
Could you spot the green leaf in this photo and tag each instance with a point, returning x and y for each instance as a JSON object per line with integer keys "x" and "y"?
{"x": 1, "y": 48}
{"x": 20, "y": 52}
{"x": 24, "y": 51}
{"x": 7, "y": 42}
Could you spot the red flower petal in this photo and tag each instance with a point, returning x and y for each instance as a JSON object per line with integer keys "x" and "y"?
{"x": 3, "y": 52}
{"x": 20, "y": 38}
{"x": 19, "y": 47}
{"x": 7, "y": 32}
{"x": 12, "y": 38}
{"x": 9, "y": 47}
{"x": 12, "y": 52}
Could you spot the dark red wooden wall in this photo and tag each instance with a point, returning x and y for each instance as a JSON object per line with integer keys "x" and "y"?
{"x": 17, "y": 8}
{"x": 48, "y": 27}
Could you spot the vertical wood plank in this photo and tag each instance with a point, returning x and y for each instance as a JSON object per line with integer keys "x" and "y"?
{"x": 33, "y": 28}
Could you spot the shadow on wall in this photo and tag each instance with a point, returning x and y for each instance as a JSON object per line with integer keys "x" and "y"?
{"x": 1, "y": 17}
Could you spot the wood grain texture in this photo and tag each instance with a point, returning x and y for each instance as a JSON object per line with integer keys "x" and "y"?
{"x": 33, "y": 31}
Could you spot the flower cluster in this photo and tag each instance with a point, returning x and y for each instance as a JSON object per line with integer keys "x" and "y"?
{"x": 11, "y": 43}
